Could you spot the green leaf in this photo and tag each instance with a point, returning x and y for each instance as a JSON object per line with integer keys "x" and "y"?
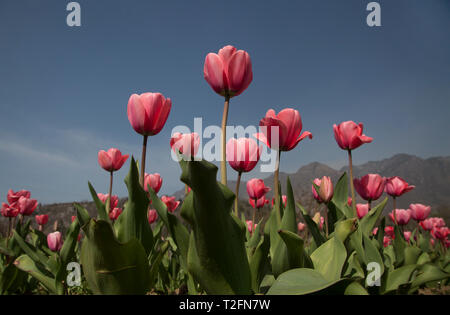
{"x": 154, "y": 268}
{"x": 367, "y": 223}
{"x": 217, "y": 257}
{"x": 259, "y": 262}
{"x": 340, "y": 198}
{"x": 33, "y": 253}
{"x": 68, "y": 249}
{"x": 398, "y": 277}
{"x": 372, "y": 254}
{"x": 428, "y": 273}
{"x": 295, "y": 249}
{"x": 133, "y": 222}
{"x": 112, "y": 267}
{"x": 101, "y": 208}
{"x": 355, "y": 288}
{"x": 299, "y": 281}
{"x": 25, "y": 263}
{"x": 412, "y": 254}
{"x": 354, "y": 269}
{"x": 329, "y": 259}
{"x": 399, "y": 246}
{"x": 344, "y": 228}
{"x": 312, "y": 226}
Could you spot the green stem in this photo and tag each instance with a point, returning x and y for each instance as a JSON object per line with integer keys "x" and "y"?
{"x": 223, "y": 162}
{"x": 276, "y": 185}
{"x": 144, "y": 152}
{"x": 236, "y": 201}
{"x": 394, "y": 211}
{"x": 352, "y": 187}
{"x": 253, "y": 218}
{"x": 108, "y": 202}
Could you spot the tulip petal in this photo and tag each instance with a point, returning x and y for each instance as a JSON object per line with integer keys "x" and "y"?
{"x": 214, "y": 73}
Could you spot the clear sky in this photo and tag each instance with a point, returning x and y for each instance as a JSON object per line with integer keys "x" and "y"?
{"x": 64, "y": 91}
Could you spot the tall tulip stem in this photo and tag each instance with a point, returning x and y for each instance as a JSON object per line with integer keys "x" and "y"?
{"x": 236, "y": 201}
{"x": 352, "y": 187}
{"x": 394, "y": 201}
{"x": 253, "y": 217}
{"x": 276, "y": 186}
{"x": 223, "y": 140}
{"x": 108, "y": 202}
{"x": 326, "y": 222}
{"x": 144, "y": 152}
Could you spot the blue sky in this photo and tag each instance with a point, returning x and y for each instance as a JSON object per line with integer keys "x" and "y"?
{"x": 64, "y": 91}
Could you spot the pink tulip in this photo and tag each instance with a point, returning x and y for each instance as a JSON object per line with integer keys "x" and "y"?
{"x": 316, "y": 181}
{"x": 14, "y": 196}
{"x": 375, "y": 231}
{"x": 41, "y": 219}
{"x": 370, "y": 187}
{"x": 229, "y": 72}
{"x": 186, "y": 143}
{"x": 322, "y": 221}
{"x": 10, "y": 211}
{"x": 283, "y": 198}
{"x": 300, "y": 226}
{"x": 389, "y": 231}
{"x": 419, "y": 212}
{"x": 54, "y": 241}
{"x": 170, "y": 203}
{"x": 152, "y": 216}
{"x": 402, "y": 216}
{"x": 111, "y": 160}
{"x": 242, "y": 154}
{"x": 289, "y": 125}
{"x": 148, "y": 112}
{"x": 427, "y": 224}
{"x": 251, "y": 226}
{"x": 256, "y": 188}
{"x": 154, "y": 181}
{"x": 349, "y": 201}
{"x": 259, "y": 203}
{"x": 439, "y": 222}
{"x": 362, "y": 209}
{"x": 115, "y": 213}
{"x": 407, "y": 235}
{"x": 74, "y": 217}
{"x": 387, "y": 241}
{"x": 113, "y": 202}
{"x": 27, "y": 206}
{"x": 349, "y": 135}
{"x": 440, "y": 233}
{"x": 397, "y": 186}
{"x": 325, "y": 189}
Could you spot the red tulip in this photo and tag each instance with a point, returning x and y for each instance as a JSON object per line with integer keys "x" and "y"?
{"x": 349, "y": 135}
{"x": 402, "y": 216}
{"x": 74, "y": 217}
{"x": 54, "y": 241}
{"x": 14, "y": 196}
{"x": 152, "y": 216}
{"x": 114, "y": 213}
{"x": 322, "y": 220}
{"x": 154, "y": 181}
{"x": 41, "y": 219}
{"x": 229, "y": 72}
{"x": 10, "y": 211}
{"x": 370, "y": 187}
{"x": 251, "y": 226}
{"x": 300, "y": 226}
{"x": 397, "y": 186}
{"x": 427, "y": 224}
{"x": 440, "y": 233}
{"x": 387, "y": 241}
{"x": 186, "y": 143}
{"x": 170, "y": 203}
{"x": 242, "y": 154}
{"x": 419, "y": 212}
{"x": 407, "y": 235}
{"x": 256, "y": 188}
{"x": 148, "y": 112}
{"x": 375, "y": 231}
{"x": 349, "y": 201}
{"x": 27, "y": 206}
{"x": 283, "y": 198}
{"x": 289, "y": 125}
{"x": 362, "y": 209}
{"x": 259, "y": 203}
{"x": 112, "y": 160}
{"x": 389, "y": 231}
{"x": 113, "y": 202}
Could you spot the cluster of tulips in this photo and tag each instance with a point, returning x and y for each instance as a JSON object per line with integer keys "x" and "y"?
{"x": 144, "y": 246}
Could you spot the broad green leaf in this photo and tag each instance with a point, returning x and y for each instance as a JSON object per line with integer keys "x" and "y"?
{"x": 295, "y": 249}
{"x": 68, "y": 249}
{"x": 133, "y": 222}
{"x": 312, "y": 227}
{"x": 428, "y": 273}
{"x": 355, "y": 288}
{"x": 27, "y": 264}
{"x": 367, "y": 223}
{"x": 259, "y": 262}
{"x": 372, "y": 254}
{"x": 399, "y": 246}
{"x": 344, "y": 228}
{"x": 101, "y": 208}
{"x": 329, "y": 259}
{"x": 354, "y": 269}
{"x": 398, "y": 277}
{"x": 412, "y": 254}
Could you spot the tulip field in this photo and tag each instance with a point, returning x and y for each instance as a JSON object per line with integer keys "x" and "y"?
{"x": 203, "y": 243}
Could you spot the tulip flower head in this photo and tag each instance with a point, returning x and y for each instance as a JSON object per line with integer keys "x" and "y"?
{"x": 375, "y": 231}
{"x": 387, "y": 241}
{"x": 349, "y": 135}
{"x": 256, "y": 188}
{"x": 13, "y": 197}
{"x": 283, "y": 131}
{"x": 115, "y": 213}
{"x": 301, "y": 226}
{"x": 9, "y": 210}
{"x": 26, "y": 206}
{"x": 407, "y": 235}
{"x": 154, "y": 181}
{"x": 41, "y": 219}
{"x": 229, "y": 72}
{"x": 370, "y": 187}
{"x": 403, "y": 216}
{"x": 440, "y": 233}
{"x": 148, "y": 112}
{"x": 259, "y": 203}
{"x": 389, "y": 231}
{"x": 243, "y": 154}
{"x": 284, "y": 200}
{"x": 111, "y": 160}
{"x": 54, "y": 241}
{"x": 185, "y": 143}
{"x": 419, "y": 212}
{"x": 251, "y": 226}
{"x": 170, "y": 203}
{"x": 362, "y": 209}
{"x": 152, "y": 216}
{"x": 349, "y": 201}
{"x": 326, "y": 189}
{"x": 397, "y": 186}
{"x": 113, "y": 202}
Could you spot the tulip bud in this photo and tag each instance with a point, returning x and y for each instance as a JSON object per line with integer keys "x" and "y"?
{"x": 112, "y": 160}
{"x": 154, "y": 181}
{"x": 152, "y": 216}
{"x": 256, "y": 188}
{"x": 54, "y": 241}
{"x": 349, "y": 135}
